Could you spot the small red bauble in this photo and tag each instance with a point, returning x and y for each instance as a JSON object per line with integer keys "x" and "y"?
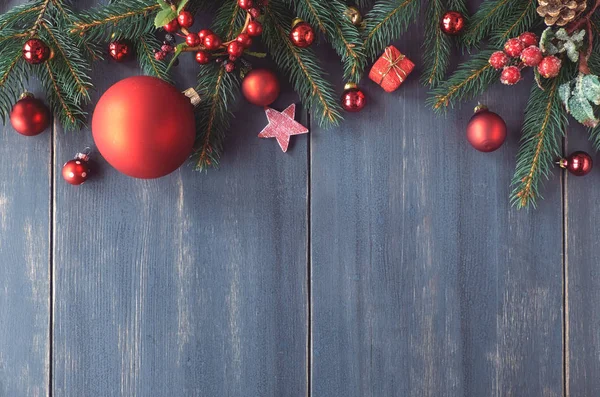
{"x": 35, "y": 51}
{"x": 261, "y": 87}
{"x": 245, "y": 4}
{"x": 202, "y": 57}
{"x": 76, "y": 171}
{"x": 229, "y": 67}
{"x": 486, "y": 130}
{"x": 167, "y": 48}
{"x": 353, "y": 99}
{"x": 172, "y": 26}
{"x": 254, "y": 29}
{"x": 212, "y": 42}
{"x": 513, "y": 47}
{"x": 549, "y": 67}
{"x": 185, "y": 19}
{"x": 192, "y": 40}
{"x": 452, "y": 23}
{"x": 302, "y": 34}
{"x": 578, "y": 163}
{"x": 254, "y": 12}
{"x": 531, "y": 56}
{"x": 528, "y": 39}
{"x": 119, "y": 50}
{"x": 30, "y": 116}
{"x": 203, "y": 33}
{"x": 510, "y": 75}
{"x": 244, "y": 40}
{"x": 235, "y": 49}
{"x": 144, "y": 127}
{"x": 499, "y": 60}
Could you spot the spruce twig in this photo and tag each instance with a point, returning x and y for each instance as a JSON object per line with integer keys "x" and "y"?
{"x": 436, "y": 46}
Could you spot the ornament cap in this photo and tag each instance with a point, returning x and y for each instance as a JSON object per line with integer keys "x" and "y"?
{"x": 85, "y": 155}
{"x": 296, "y": 21}
{"x": 563, "y": 163}
{"x": 193, "y": 95}
{"x": 26, "y": 94}
{"x": 350, "y": 86}
{"x": 480, "y": 108}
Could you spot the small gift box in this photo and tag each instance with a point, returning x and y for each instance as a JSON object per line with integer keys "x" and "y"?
{"x": 391, "y": 69}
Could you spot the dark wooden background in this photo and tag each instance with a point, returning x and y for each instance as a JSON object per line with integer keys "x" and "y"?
{"x": 380, "y": 258}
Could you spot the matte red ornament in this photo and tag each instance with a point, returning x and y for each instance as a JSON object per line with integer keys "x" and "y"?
{"x": 254, "y": 29}
{"x": 486, "y": 130}
{"x": 353, "y": 99}
{"x": 261, "y": 87}
{"x": 144, "y": 127}
{"x": 76, "y": 171}
{"x": 452, "y": 23}
{"x": 578, "y": 163}
{"x": 212, "y": 42}
{"x": 35, "y": 51}
{"x": 282, "y": 125}
{"x": 119, "y": 50}
{"x": 185, "y": 19}
{"x": 30, "y": 116}
{"x": 302, "y": 34}
{"x": 172, "y": 26}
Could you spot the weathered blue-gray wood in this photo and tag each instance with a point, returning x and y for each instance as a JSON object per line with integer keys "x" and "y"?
{"x": 191, "y": 285}
{"x": 425, "y": 282}
{"x": 24, "y": 259}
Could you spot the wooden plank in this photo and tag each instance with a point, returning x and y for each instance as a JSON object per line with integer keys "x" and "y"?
{"x": 424, "y": 280}
{"x": 191, "y": 285}
{"x": 24, "y": 258}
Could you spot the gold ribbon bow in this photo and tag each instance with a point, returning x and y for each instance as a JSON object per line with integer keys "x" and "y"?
{"x": 394, "y": 64}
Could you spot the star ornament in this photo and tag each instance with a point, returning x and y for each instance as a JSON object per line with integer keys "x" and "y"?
{"x": 282, "y": 126}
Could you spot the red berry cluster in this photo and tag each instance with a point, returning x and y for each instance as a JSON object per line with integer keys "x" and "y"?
{"x": 521, "y": 52}
{"x": 206, "y": 42}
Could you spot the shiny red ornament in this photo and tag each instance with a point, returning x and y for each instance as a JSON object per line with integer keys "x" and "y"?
{"x": 254, "y": 29}
{"x": 119, "y": 50}
{"x": 486, "y": 130}
{"x": 76, "y": 171}
{"x": 578, "y": 163}
{"x": 172, "y": 26}
{"x": 302, "y": 34}
{"x": 185, "y": 19}
{"x": 452, "y": 23}
{"x": 282, "y": 125}
{"x": 353, "y": 99}
{"x": 144, "y": 127}
{"x": 235, "y": 49}
{"x": 244, "y": 39}
{"x": 261, "y": 87}
{"x": 212, "y": 42}
{"x": 35, "y": 51}
{"x": 245, "y": 4}
{"x": 30, "y": 116}
{"x": 192, "y": 40}
{"x": 202, "y": 57}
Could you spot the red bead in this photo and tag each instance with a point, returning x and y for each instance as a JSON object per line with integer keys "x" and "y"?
{"x": 172, "y": 26}
{"x": 245, "y": 4}
{"x": 235, "y": 49}
{"x": 549, "y": 67}
{"x": 531, "y": 56}
{"x": 160, "y": 55}
{"x": 35, "y": 51}
{"x": 499, "y": 60}
{"x": 254, "y": 29}
{"x": 528, "y": 39}
{"x": 244, "y": 40}
{"x": 185, "y": 19}
{"x": 302, "y": 35}
{"x": 203, "y": 33}
{"x": 202, "y": 57}
{"x": 30, "y": 116}
{"x": 254, "y": 12}
{"x": 452, "y": 23}
{"x": 119, "y": 50}
{"x": 513, "y": 47}
{"x": 229, "y": 67}
{"x": 510, "y": 75}
{"x": 76, "y": 171}
{"x": 212, "y": 42}
{"x": 192, "y": 40}
{"x": 353, "y": 100}
{"x": 166, "y": 48}
{"x": 578, "y": 163}
{"x": 486, "y": 131}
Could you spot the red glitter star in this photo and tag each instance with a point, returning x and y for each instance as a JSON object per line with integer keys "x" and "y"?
{"x": 282, "y": 126}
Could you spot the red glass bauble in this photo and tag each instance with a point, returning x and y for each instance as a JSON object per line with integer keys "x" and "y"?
{"x": 452, "y": 23}
{"x": 353, "y": 99}
{"x": 30, "y": 116}
{"x": 76, "y": 171}
{"x": 578, "y": 163}
{"x": 261, "y": 87}
{"x": 119, "y": 50}
{"x": 36, "y": 51}
{"x": 486, "y": 130}
{"x": 302, "y": 34}
{"x": 144, "y": 127}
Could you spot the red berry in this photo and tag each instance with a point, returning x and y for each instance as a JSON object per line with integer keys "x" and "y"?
{"x": 229, "y": 67}
{"x": 172, "y": 26}
{"x": 202, "y": 57}
{"x": 166, "y": 48}
{"x": 245, "y": 4}
{"x": 192, "y": 40}
{"x": 244, "y": 40}
{"x": 531, "y": 56}
{"x": 203, "y": 33}
{"x": 185, "y": 19}
{"x": 235, "y": 49}
{"x": 528, "y": 39}
{"x": 254, "y": 12}
{"x": 513, "y": 47}
{"x": 212, "y": 42}
{"x": 499, "y": 59}
{"x": 510, "y": 75}
{"x": 549, "y": 67}
{"x": 254, "y": 29}
{"x": 159, "y": 55}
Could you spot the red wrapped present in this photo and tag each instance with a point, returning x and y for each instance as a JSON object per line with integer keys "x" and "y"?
{"x": 391, "y": 69}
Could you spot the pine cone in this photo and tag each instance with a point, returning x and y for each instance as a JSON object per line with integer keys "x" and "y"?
{"x": 560, "y": 12}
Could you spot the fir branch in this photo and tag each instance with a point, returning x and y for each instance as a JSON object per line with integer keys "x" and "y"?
{"x": 67, "y": 18}
{"x": 20, "y": 16}
{"x": 301, "y": 65}
{"x": 491, "y": 13}
{"x": 364, "y": 4}
{"x": 472, "y": 78}
{"x": 13, "y": 71}
{"x": 229, "y": 20}
{"x": 436, "y": 46}
{"x": 387, "y": 21}
{"x": 145, "y": 55}
{"x": 522, "y": 18}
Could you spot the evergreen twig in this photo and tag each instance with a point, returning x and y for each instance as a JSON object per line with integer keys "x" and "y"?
{"x": 144, "y": 46}
{"x": 491, "y": 14}
{"x": 436, "y": 46}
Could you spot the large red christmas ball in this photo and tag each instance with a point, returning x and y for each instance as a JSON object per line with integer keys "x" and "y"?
{"x": 486, "y": 130}
{"x": 144, "y": 127}
{"x": 30, "y": 116}
{"x": 261, "y": 87}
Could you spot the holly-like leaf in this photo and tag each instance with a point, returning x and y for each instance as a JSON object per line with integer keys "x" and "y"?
{"x": 181, "y": 5}
{"x": 163, "y": 4}
{"x": 572, "y": 52}
{"x": 582, "y": 111}
{"x": 164, "y": 17}
{"x": 590, "y": 87}
{"x": 564, "y": 91}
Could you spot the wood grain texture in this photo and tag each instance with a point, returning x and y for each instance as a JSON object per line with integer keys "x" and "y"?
{"x": 191, "y": 285}
{"x": 425, "y": 282}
